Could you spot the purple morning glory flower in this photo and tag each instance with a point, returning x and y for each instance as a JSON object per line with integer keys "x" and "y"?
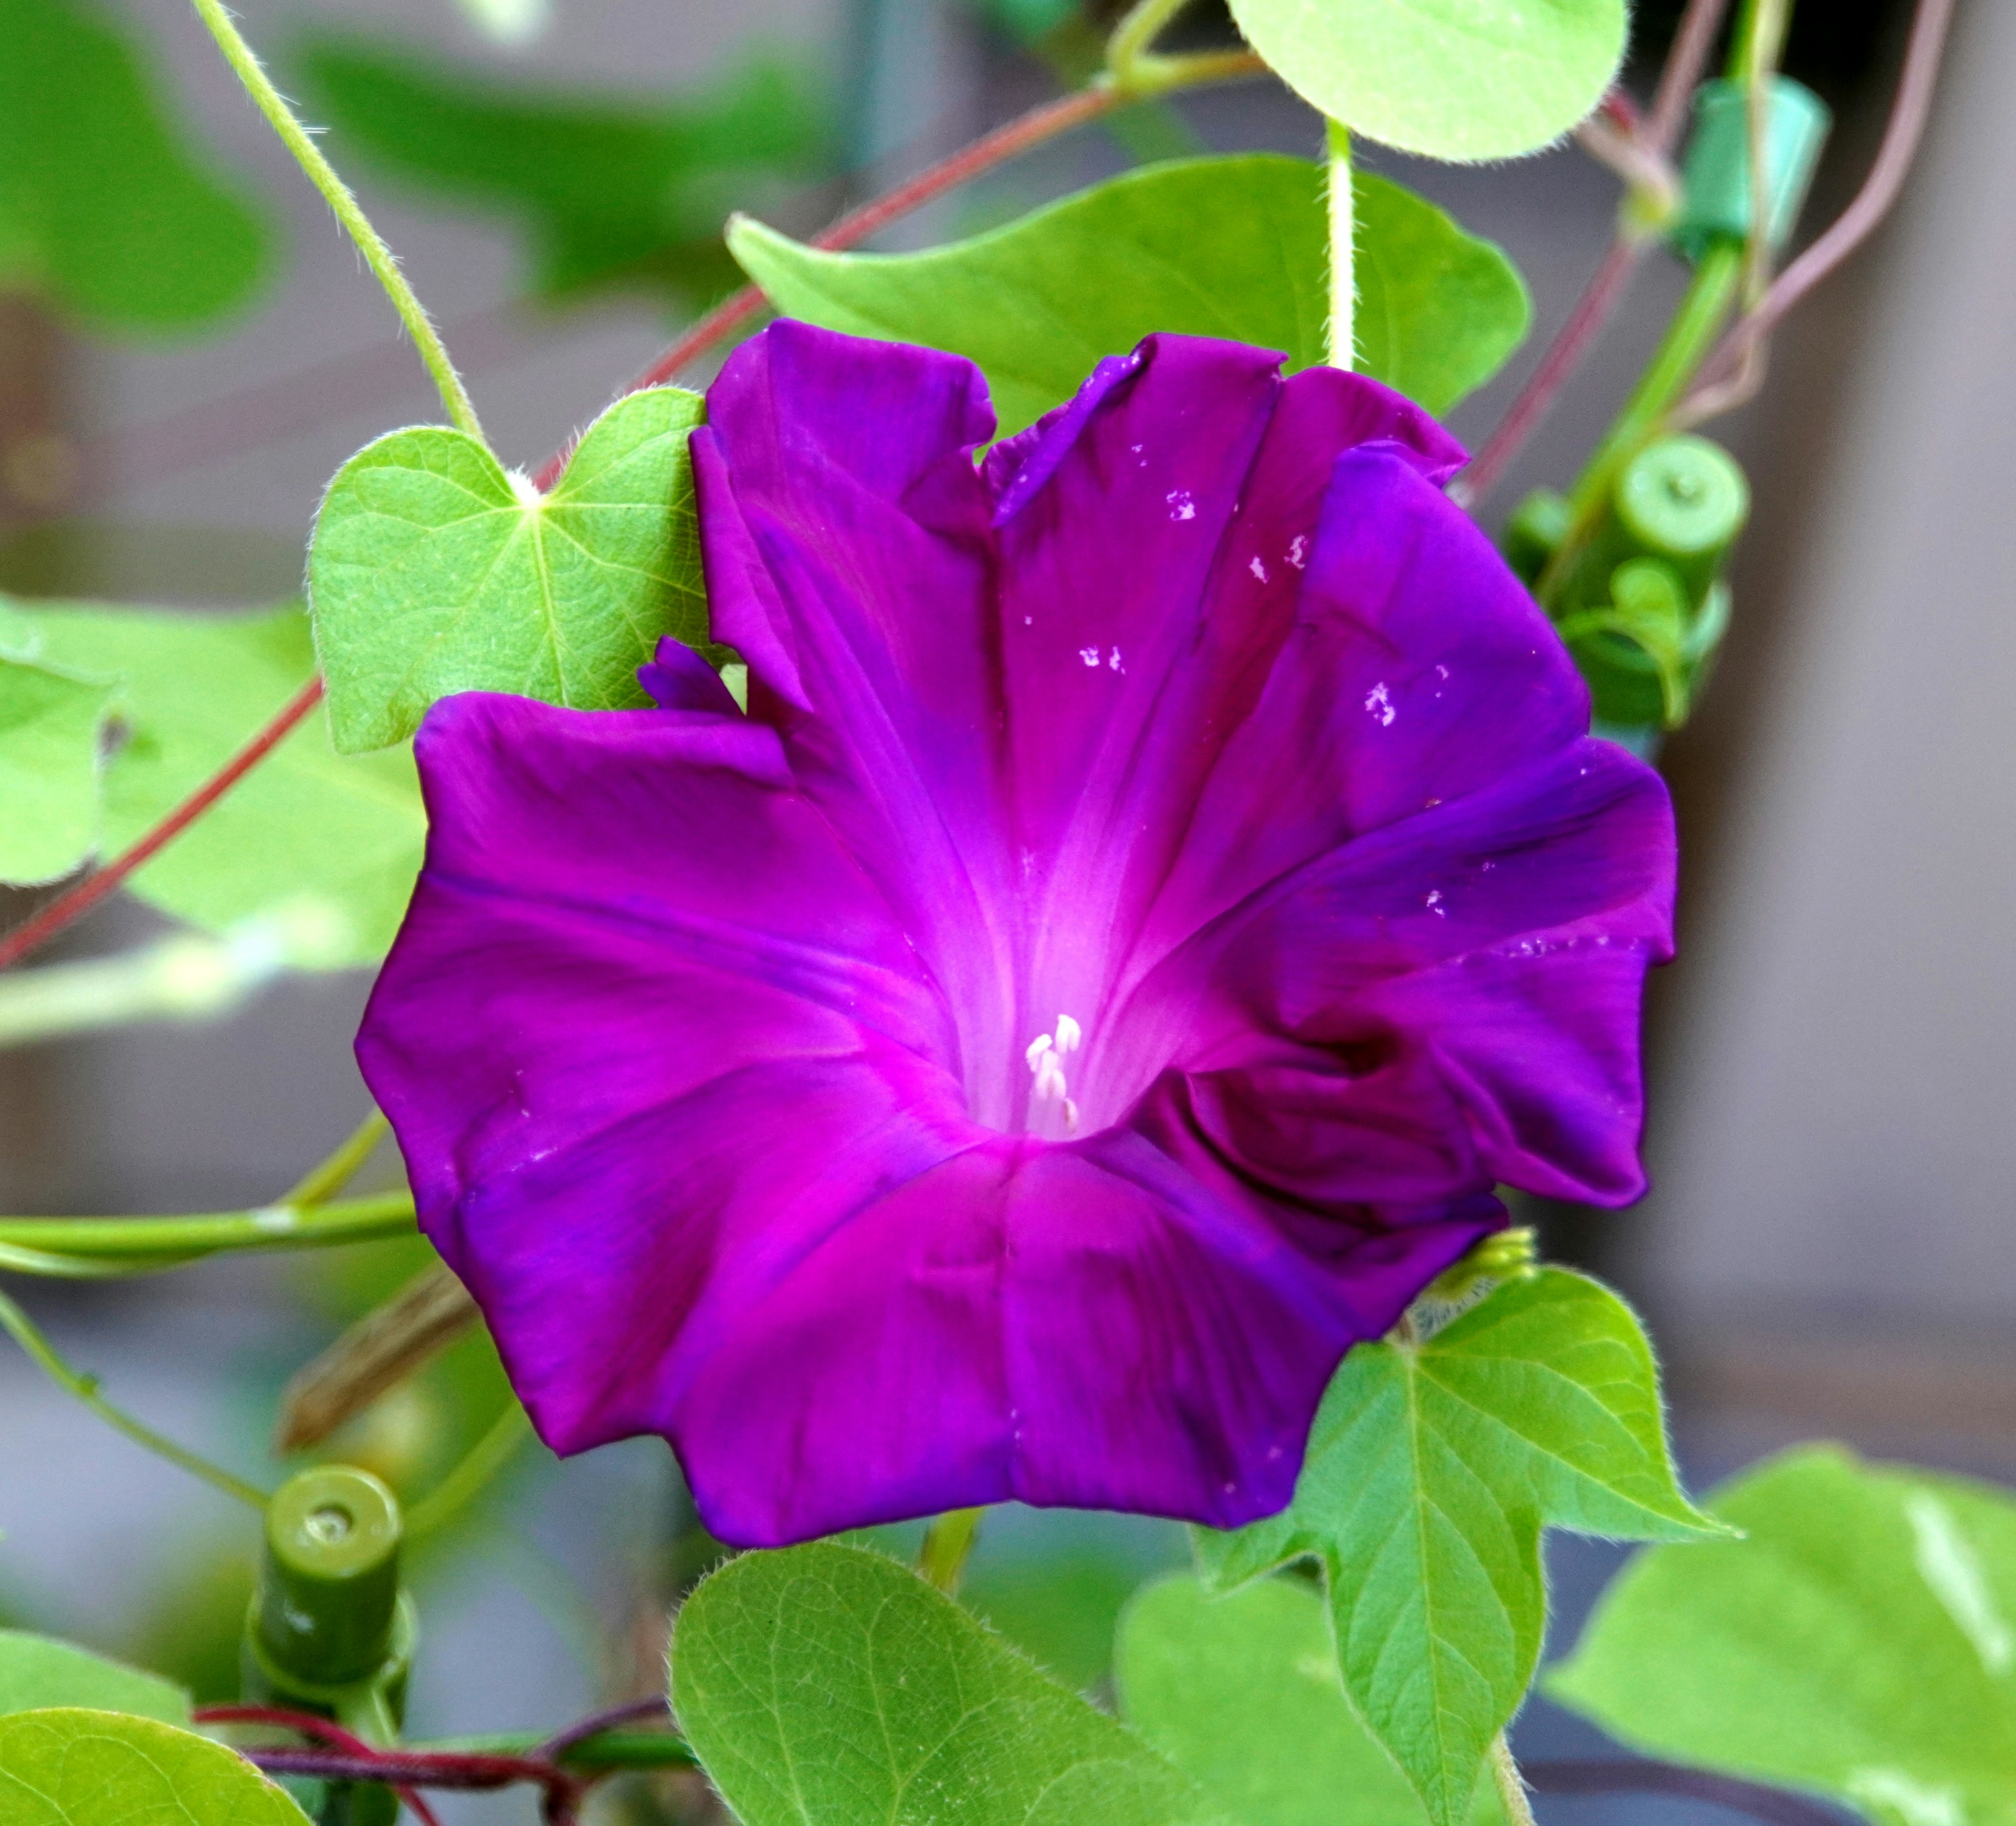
{"x": 1163, "y": 882}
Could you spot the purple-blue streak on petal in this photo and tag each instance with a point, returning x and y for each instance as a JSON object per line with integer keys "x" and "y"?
{"x": 1197, "y": 714}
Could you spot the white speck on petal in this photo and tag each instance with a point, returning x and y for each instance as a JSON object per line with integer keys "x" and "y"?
{"x": 1181, "y": 505}
{"x": 1258, "y": 569}
{"x": 1113, "y": 661}
{"x": 1379, "y": 701}
{"x": 1090, "y": 655}
{"x": 1028, "y": 621}
{"x": 1433, "y": 903}
{"x": 1298, "y": 551}
{"x": 1442, "y": 672}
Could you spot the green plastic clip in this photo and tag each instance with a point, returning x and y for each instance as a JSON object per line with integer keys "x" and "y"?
{"x": 331, "y": 1631}
{"x": 1644, "y": 609}
{"x": 1716, "y": 198}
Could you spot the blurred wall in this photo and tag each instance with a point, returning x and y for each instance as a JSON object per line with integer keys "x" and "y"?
{"x": 1833, "y": 1135}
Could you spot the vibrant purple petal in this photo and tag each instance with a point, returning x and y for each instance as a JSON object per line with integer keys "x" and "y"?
{"x": 1162, "y": 884}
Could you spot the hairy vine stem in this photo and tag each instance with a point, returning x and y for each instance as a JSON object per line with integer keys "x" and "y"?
{"x": 244, "y": 63}
{"x": 1512, "y": 1795}
{"x": 1030, "y": 130}
{"x": 1341, "y": 338}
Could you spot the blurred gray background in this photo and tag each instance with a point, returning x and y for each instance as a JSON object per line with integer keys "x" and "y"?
{"x": 1827, "y": 1248}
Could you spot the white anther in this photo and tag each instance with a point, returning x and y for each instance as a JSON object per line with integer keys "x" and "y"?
{"x": 1045, "y": 1054}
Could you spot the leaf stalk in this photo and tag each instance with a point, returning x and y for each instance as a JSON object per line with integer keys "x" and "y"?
{"x": 250, "y": 72}
{"x": 83, "y": 1386}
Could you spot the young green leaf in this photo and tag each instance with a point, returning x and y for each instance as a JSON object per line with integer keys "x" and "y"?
{"x": 607, "y": 190}
{"x": 305, "y": 824}
{"x": 433, "y": 571}
{"x": 1860, "y": 1639}
{"x": 1242, "y": 1693}
{"x": 105, "y": 209}
{"x": 51, "y": 722}
{"x": 1432, "y": 1468}
{"x": 69, "y": 1767}
{"x": 829, "y": 1686}
{"x": 1231, "y": 247}
{"x": 37, "y": 1672}
{"x": 1451, "y": 79}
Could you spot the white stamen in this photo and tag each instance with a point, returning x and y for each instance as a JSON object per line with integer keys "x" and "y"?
{"x": 1046, "y": 1056}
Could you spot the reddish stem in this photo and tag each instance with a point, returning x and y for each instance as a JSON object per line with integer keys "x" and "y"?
{"x": 1005, "y": 142}
{"x": 632, "y": 1712}
{"x": 1564, "y": 356}
{"x": 1721, "y": 385}
{"x": 88, "y": 893}
{"x": 310, "y": 1724}
{"x": 1606, "y": 289}
{"x": 1685, "y": 62}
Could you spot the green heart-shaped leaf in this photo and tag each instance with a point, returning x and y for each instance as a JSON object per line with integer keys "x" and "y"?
{"x": 1451, "y": 79}
{"x": 1859, "y": 1639}
{"x": 434, "y": 571}
{"x": 51, "y": 720}
{"x": 1432, "y": 1468}
{"x": 1230, "y": 247}
{"x": 37, "y": 1672}
{"x": 827, "y": 1686}
{"x": 72, "y": 1768}
{"x": 1242, "y": 1693}
{"x": 306, "y": 823}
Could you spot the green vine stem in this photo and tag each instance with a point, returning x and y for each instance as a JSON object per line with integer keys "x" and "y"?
{"x": 98, "y": 1246}
{"x": 485, "y": 1460}
{"x": 1689, "y": 337}
{"x": 947, "y": 1543}
{"x": 1341, "y": 336}
{"x": 273, "y": 105}
{"x": 26, "y": 1333}
{"x": 1131, "y": 62}
{"x": 1511, "y": 1784}
{"x": 322, "y": 1182}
